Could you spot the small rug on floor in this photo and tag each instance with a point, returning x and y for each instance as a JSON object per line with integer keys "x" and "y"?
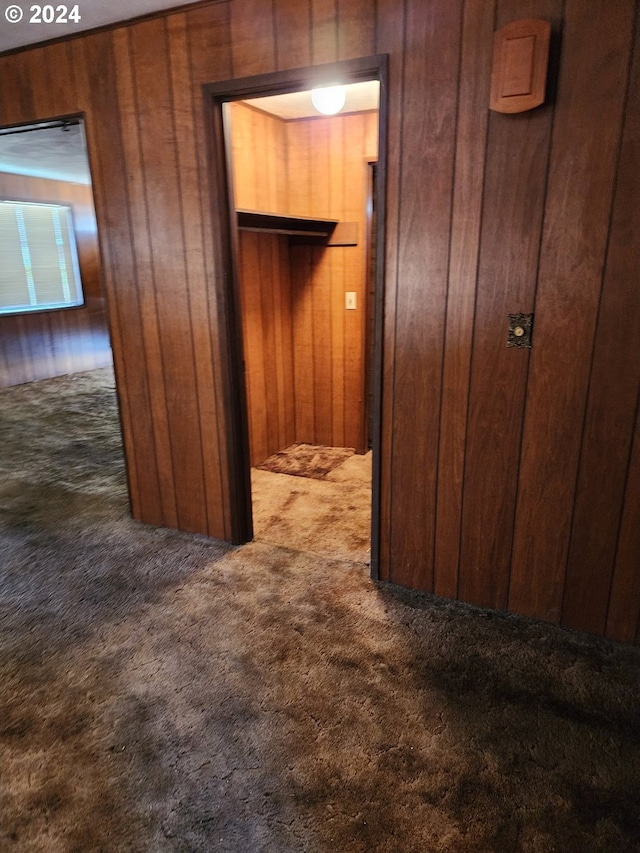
{"x": 306, "y": 460}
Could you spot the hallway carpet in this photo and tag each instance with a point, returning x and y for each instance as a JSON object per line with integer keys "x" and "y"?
{"x": 163, "y": 692}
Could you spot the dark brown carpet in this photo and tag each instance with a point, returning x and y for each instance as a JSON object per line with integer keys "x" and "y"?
{"x": 163, "y": 692}
{"x": 306, "y": 460}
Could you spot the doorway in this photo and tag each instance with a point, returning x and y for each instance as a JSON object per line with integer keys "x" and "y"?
{"x": 53, "y": 317}
{"x": 294, "y": 252}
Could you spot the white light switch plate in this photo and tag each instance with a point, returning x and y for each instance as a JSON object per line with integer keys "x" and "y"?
{"x": 351, "y": 301}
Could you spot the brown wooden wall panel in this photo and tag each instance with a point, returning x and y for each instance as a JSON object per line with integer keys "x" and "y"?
{"x": 16, "y": 98}
{"x": 253, "y": 46}
{"x": 512, "y": 215}
{"x": 95, "y": 77}
{"x": 356, "y": 33}
{"x": 327, "y": 169}
{"x": 462, "y": 192}
{"x": 324, "y": 31}
{"x": 259, "y": 160}
{"x": 302, "y": 263}
{"x": 145, "y": 285}
{"x": 586, "y": 137}
{"x": 391, "y": 26}
{"x": 168, "y": 295}
{"x": 265, "y": 292}
{"x": 612, "y": 398}
{"x": 623, "y": 617}
{"x": 210, "y": 59}
{"x": 188, "y": 123}
{"x": 428, "y": 134}
{"x": 466, "y": 220}
{"x": 255, "y": 356}
{"x": 292, "y": 23}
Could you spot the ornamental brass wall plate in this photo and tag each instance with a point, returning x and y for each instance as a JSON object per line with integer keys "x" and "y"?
{"x": 520, "y": 328}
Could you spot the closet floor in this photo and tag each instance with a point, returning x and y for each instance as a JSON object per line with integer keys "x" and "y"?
{"x": 329, "y": 517}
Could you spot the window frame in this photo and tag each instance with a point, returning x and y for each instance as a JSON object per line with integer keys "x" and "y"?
{"x": 75, "y": 255}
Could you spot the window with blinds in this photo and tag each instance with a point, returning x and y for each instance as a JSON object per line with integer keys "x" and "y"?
{"x": 38, "y": 258}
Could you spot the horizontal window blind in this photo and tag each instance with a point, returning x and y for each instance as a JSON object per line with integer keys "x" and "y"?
{"x": 38, "y": 258}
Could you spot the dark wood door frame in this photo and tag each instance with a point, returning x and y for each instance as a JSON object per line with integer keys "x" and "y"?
{"x": 226, "y": 269}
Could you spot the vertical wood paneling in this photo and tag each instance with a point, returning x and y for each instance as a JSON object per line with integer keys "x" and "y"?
{"x": 292, "y": 22}
{"x": 259, "y": 160}
{"x": 96, "y": 80}
{"x": 303, "y": 342}
{"x": 53, "y": 94}
{"x": 189, "y": 187}
{"x": 355, "y": 271}
{"x": 391, "y": 27}
{"x": 596, "y": 44}
{"x": 324, "y": 31}
{"x": 16, "y": 95}
{"x": 252, "y": 37}
{"x": 428, "y": 134}
{"x": 336, "y": 181}
{"x": 471, "y": 140}
{"x": 139, "y": 86}
{"x": 323, "y": 347}
{"x": 267, "y": 274}
{"x": 168, "y": 279}
{"x": 623, "y": 618}
{"x": 283, "y": 328}
{"x": 356, "y": 28}
{"x": 208, "y": 33}
{"x": 327, "y": 169}
{"x": 298, "y": 139}
{"x": 512, "y": 212}
{"x": 256, "y": 355}
{"x": 613, "y": 392}
{"x": 143, "y": 260}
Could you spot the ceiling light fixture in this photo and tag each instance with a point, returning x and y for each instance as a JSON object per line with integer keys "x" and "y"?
{"x": 329, "y": 100}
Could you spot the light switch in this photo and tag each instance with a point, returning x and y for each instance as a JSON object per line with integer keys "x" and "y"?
{"x": 351, "y": 301}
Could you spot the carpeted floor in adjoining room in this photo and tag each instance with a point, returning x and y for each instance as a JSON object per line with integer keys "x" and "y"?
{"x": 163, "y": 692}
{"x": 328, "y": 515}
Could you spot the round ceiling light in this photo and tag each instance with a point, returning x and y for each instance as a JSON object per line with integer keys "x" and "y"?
{"x": 329, "y": 100}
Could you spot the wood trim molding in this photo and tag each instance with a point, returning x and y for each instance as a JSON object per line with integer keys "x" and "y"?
{"x": 215, "y": 96}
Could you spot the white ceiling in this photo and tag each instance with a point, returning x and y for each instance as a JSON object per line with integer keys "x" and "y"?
{"x": 93, "y": 13}
{"x": 46, "y": 150}
{"x": 359, "y": 97}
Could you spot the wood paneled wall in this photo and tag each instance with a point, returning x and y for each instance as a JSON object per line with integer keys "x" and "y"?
{"x": 259, "y": 147}
{"x": 51, "y": 343}
{"x": 267, "y": 328}
{"x": 328, "y": 175}
{"x": 509, "y": 477}
{"x": 313, "y": 167}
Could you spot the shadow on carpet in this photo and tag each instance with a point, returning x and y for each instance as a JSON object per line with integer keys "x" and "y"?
{"x": 166, "y": 692}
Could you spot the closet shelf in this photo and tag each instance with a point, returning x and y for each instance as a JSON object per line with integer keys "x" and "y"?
{"x": 300, "y": 229}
